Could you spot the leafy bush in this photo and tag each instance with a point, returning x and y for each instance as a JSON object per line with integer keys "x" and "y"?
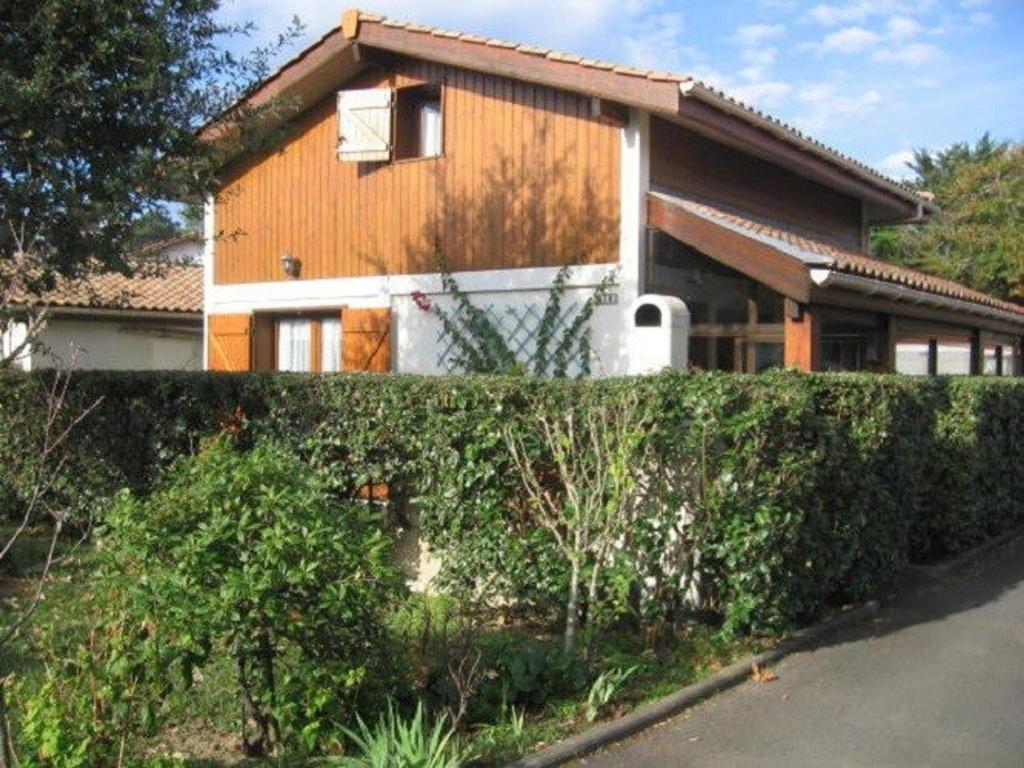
{"x": 245, "y": 552}
{"x": 528, "y": 673}
{"x": 106, "y": 673}
{"x": 786, "y": 492}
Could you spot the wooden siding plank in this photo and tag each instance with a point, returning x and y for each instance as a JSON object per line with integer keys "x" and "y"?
{"x": 516, "y": 158}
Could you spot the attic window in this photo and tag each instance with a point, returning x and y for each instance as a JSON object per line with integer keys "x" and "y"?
{"x": 419, "y": 130}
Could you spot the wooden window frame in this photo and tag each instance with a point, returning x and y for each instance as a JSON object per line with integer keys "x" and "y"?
{"x": 442, "y": 98}
{"x": 316, "y": 317}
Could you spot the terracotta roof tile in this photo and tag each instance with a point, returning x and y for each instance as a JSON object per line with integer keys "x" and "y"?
{"x": 786, "y": 130}
{"x": 838, "y": 258}
{"x": 173, "y": 288}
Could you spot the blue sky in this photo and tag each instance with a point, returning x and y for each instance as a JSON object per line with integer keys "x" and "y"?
{"x": 873, "y": 78}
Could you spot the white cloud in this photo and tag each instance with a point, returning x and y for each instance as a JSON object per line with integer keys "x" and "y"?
{"x": 902, "y": 27}
{"x": 654, "y": 42}
{"x": 860, "y": 11}
{"x": 757, "y": 61}
{"x": 575, "y": 21}
{"x": 752, "y": 34}
{"x": 981, "y": 18}
{"x": 895, "y": 165}
{"x": 827, "y": 104}
{"x": 765, "y": 94}
{"x": 850, "y": 40}
{"x": 831, "y": 15}
{"x": 912, "y": 54}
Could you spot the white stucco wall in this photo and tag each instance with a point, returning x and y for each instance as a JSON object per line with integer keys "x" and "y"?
{"x": 184, "y": 252}
{"x": 415, "y": 343}
{"x": 419, "y": 341}
{"x": 119, "y": 345}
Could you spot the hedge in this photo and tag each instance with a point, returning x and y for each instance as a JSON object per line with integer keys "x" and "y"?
{"x": 806, "y": 490}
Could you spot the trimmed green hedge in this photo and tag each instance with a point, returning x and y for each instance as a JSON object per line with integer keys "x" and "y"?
{"x": 802, "y": 491}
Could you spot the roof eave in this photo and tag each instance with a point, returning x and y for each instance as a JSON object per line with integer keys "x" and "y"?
{"x": 831, "y": 279}
{"x": 692, "y": 89}
{"x": 664, "y": 94}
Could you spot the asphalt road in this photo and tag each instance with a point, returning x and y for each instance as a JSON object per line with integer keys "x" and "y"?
{"x": 936, "y": 680}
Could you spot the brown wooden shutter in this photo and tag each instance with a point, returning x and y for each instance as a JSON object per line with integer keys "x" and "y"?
{"x": 230, "y": 342}
{"x": 366, "y": 340}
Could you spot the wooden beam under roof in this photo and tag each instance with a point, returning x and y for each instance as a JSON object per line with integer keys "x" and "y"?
{"x": 758, "y": 261}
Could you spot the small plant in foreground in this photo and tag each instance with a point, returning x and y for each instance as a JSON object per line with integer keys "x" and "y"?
{"x": 398, "y": 743}
{"x": 604, "y": 689}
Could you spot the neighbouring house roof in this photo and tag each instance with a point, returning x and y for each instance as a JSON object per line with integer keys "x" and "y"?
{"x": 816, "y": 257}
{"x": 172, "y": 288}
{"x": 160, "y": 246}
{"x": 657, "y": 91}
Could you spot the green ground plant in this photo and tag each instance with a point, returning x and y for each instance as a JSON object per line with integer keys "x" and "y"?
{"x": 394, "y": 742}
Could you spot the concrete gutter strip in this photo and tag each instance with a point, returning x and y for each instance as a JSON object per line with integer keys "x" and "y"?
{"x": 656, "y": 711}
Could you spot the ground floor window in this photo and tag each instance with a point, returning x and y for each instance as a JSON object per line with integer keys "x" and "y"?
{"x": 1000, "y": 356}
{"x": 736, "y": 324}
{"x": 307, "y": 343}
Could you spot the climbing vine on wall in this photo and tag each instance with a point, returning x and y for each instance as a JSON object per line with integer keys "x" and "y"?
{"x": 550, "y": 343}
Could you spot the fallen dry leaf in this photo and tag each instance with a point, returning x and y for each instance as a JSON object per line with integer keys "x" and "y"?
{"x": 762, "y": 674}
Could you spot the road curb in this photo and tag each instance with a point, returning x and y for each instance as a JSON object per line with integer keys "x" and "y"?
{"x": 946, "y": 567}
{"x": 653, "y": 713}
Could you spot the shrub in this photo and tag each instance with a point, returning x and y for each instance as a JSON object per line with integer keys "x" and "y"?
{"x": 245, "y": 552}
{"x": 789, "y": 492}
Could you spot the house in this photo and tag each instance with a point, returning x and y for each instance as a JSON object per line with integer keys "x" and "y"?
{"x": 406, "y": 147}
{"x": 152, "y": 321}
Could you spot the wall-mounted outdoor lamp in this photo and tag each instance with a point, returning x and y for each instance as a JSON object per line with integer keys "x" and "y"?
{"x": 290, "y": 265}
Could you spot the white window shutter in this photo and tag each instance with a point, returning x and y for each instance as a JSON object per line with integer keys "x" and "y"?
{"x": 364, "y": 125}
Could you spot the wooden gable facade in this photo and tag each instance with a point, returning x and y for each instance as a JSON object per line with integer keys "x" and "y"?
{"x": 526, "y": 177}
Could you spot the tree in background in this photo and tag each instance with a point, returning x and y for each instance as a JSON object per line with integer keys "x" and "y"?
{"x": 978, "y": 238}
{"x": 100, "y": 101}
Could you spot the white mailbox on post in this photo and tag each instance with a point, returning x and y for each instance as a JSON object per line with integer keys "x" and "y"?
{"x": 659, "y": 333}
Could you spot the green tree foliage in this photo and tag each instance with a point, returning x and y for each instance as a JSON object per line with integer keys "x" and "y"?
{"x": 153, "y": 226}
{"x": 978, "y": 238}
{"x": 243, "y": 553}
{"x": 99, "y": 105}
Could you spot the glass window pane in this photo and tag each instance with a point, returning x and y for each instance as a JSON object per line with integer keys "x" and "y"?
{"x": 954, "y": 359}
{"x": 912, "y": 359}
{"x": 294, "y": 339}
{"x": 430, "y": 129}
{"x": 767, "y": 355}
{"x": 330, "y": 345}
{"x": 990, "y": 368}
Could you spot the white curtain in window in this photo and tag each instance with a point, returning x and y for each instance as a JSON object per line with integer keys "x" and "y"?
{"x": 330, "y": 344}
{"x": 294, "y": 341}
{"x": 430, "y": 129}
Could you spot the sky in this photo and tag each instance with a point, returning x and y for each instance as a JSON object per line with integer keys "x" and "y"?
{"x": 872, "y": 78}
